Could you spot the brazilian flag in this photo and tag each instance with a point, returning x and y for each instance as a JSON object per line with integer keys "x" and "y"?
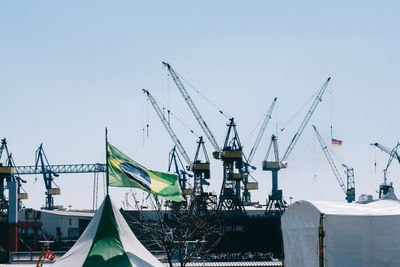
{"x": 124, "y": 172}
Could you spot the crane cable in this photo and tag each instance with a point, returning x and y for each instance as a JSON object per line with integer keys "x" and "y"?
{"x": 227, "y": 116}
{"x": 298, "y": 112}
{"x": 170, "y": 113}
{"x": 255, "y": 128}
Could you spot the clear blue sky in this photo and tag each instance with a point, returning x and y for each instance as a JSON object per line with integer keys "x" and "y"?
{"x": 71, "y": 68}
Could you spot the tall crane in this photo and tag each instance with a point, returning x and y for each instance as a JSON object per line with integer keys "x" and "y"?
{"x": 201, "y": 170}
{"x": 232, "y": 156}
{"x": 385, "y": 188}
{"x": 349, "y": 188}
{"x": 195, "y": 111}
{"x": 275, "y": 200}
{"x": 169, "y": 129}
{"x": 247, "y": 164}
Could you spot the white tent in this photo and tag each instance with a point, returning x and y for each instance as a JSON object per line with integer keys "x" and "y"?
{"x": 341, "y": 234}
{"x": 108, "y": 241}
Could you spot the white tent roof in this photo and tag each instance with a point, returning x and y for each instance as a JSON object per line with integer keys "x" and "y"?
{"x": 352, "y": 234}
{"x": 108, "y": 249}
{"x": 374, "y": 208}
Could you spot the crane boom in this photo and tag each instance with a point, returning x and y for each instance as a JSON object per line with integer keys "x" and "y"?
{"x": 262, "y": 130}
{"x": 168, "y": 128}
{"x": 330, "y": 160}
{"x": 391, "y": 152}
{"x": 297, "y": 135}
{"x": 193, "y": 107}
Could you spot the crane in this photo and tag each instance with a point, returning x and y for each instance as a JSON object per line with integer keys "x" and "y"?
{"x": 275, "y": 202}
{"x": 230, "y": 199}
{"x": 201, "y": 170}
{"x": 167, "y": 126}
{"x": 349, "y": 188}
{"x": 180, "y": 171}
{"x": 48, "y": 177}
{"x": 10, "y": 172}
{"x": 247, "y": 163}
{"x": 194, "y": 110}
{"x": 387, "y": 150}
{"x": 95, "y": 168}
{"x": 385, "y": 188}
{"x": 261, "y": 133}
{"x": 232, "y": 157}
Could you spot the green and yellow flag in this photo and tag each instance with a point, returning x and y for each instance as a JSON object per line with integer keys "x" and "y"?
{"x": 124, "y": 172}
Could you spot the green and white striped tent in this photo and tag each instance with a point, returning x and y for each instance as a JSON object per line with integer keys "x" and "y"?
{"x": 108, "y": 241}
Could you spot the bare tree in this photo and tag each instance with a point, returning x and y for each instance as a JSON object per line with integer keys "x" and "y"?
{"x": 183, "y": 230}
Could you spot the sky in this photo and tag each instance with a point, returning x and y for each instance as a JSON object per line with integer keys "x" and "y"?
{"x": 71, "y": 68}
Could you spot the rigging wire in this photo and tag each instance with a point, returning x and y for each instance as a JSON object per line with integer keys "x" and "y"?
{"x": 184, "y": 124}
{"x": 227, "y": 116}
{"x": 314, "y": 159}
{"x": 298, "y": 112}
{"x": 168, "y": 99}
{"x": 170, "y": 113}
{"x": 147, "y": 116}
{"x": 331, "y": 110}
{"x": 375, "y": 160}
{"x": 255, "y": 128}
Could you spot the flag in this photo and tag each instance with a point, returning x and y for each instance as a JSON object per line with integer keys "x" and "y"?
{"x": 50, "y": 255}
{"x": 125, "y": 172}
{"x": 336, "y": 142}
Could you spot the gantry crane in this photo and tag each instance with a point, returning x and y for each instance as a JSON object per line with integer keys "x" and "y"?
{"x": 201, "y": 170}
{"x": 349, "y": 188}
{"x": 95, "y": 168}
{"x": 250, "y": 186}
{"x": 232, "y": 156}
{"x": 276, "y": 204}
{"x": 385, "y": 188}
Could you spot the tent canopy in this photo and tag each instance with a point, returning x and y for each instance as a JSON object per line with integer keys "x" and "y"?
{"x": 108, "y": 241}
{"x": 342, "y": 234}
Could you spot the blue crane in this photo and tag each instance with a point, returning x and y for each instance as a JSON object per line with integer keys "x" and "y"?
{"x": 385, "y": 188}
{"x": 231, "y": 154}
{"x": 276, "y": 204}
{"x": 349, "y": 188}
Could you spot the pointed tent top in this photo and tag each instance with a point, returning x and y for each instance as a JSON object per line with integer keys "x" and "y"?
{"x": 108, "y": 241}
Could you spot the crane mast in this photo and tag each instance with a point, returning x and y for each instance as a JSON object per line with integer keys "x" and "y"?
{"x": 276, "y": 204}
{"x": 168, "y": 128}
{"x": 194, "y": 110}
{"x": 296, "y": 137}
{"x": 349, "y": 190}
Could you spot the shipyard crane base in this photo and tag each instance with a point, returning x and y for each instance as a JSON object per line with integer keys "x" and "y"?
{"x": 276, "y": 205}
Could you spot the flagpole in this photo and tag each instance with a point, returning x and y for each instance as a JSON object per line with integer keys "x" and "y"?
{"x": 106, "y": 161}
